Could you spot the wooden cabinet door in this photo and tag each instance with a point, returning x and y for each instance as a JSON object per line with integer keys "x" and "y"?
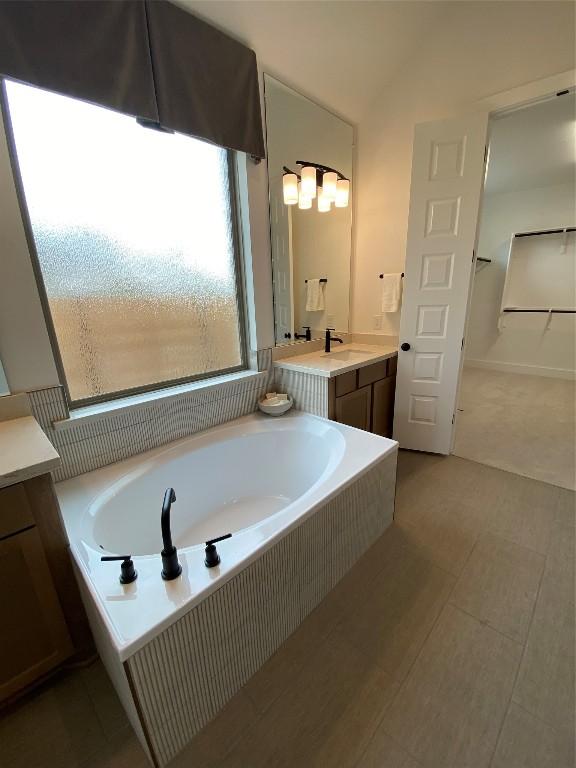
{"x": 383, "y": 406}
{"x": 34, "y": 638}
{"x": 355, "y": 408}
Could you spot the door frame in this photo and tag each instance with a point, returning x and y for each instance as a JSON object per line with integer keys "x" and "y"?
{"x": 497, "y": 105}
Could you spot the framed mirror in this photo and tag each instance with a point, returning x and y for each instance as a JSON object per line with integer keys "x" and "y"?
{"x": 309, "y": 154}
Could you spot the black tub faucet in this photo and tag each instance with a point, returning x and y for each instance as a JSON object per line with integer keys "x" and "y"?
{"x": 329, "y": 339}
{"x": 171, "y": 568}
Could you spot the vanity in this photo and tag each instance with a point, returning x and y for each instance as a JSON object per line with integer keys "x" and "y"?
{"x": 353, "y": 384}
{"x": 44, "y": 624}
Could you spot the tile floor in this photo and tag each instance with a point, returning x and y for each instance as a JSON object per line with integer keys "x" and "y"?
{"x": 449, "y": 645}
{"x": 523, "y": 424}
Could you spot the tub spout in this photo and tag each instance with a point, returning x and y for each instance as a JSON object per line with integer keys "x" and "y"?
{"x": 171, "y": 568}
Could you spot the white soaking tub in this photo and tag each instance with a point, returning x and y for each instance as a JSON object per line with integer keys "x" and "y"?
{"x": 261, "y": 479}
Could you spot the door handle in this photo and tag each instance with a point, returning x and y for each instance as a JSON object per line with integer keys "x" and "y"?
{"x": 405, "y": 346}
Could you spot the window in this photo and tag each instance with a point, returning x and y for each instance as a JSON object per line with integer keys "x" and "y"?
{"x": 134, "y": 232}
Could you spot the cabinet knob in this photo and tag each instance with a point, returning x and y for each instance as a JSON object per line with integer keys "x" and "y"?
{"x": 405, "y": 346}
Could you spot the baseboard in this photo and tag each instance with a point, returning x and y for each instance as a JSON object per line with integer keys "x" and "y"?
{"x": 529, "y": 370}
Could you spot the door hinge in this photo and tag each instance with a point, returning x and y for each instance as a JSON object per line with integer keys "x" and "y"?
{"x": 462, "y": 347}
{"x": 453, "y": 417}
{"x": 473, "y": 256}
{"x": 485, "y": 153}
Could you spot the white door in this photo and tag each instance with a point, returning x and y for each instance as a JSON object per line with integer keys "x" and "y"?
{"x": 447, "y": 179}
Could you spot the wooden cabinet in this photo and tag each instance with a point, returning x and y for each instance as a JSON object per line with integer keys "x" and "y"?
{"x": 43, "y": 621}
{"x": 364, "y": 398}
{"x": 383, "y": 406}
{"x": 34, "y": 637}
{"x": 355, "y": 408}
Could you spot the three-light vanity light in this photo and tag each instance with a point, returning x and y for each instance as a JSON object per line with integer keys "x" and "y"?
{"x": 327, "y": 185}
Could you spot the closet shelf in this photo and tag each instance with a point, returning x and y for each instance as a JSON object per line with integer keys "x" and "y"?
{"x": 545, "y": 232}
{"x": 545, "y": 311}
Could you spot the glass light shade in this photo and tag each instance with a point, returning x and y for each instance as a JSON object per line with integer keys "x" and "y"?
{"x": 309, "y": 181}
{"x": 329, "y": 180}
{"x": 304, "y": 202}
{"x": 290, "y": 188}
{"x": 342, "y": 193}
{"x": 324, "y": 204}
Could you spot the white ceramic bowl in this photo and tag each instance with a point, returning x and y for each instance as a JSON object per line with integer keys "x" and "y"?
{"x": 275, "y": 410}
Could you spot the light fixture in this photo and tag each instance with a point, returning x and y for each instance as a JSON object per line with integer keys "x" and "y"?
{"x": 326, "y": 184}
{"x": 309, "y": 181}
{"x": 324, "y": 204}
{"x": 329, "y": 180}
{"x": 290, "y": 188}
{"x": 342, "y": 193}
{"x": 304, "y": 202}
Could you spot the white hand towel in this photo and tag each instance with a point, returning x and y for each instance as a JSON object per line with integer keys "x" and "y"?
{"x": 391, "y": 292}
{"x": 314, "y": 295}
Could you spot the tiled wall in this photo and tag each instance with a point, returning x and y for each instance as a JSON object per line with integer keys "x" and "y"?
{"x": 186, "y": 674}
{"x": 309, "y": 392}
{"x": 93, "y": 444}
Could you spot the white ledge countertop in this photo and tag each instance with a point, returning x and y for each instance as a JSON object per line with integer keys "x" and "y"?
{"x": 25, "y": 451}
{"x": 342, "y": 358}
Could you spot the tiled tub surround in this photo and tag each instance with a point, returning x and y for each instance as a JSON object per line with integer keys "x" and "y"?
{"x": 87, "y": 444}
{"x": 178, "y": 651}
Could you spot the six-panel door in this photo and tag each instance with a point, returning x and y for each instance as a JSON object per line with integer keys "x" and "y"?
{"x": 447, "y": 177}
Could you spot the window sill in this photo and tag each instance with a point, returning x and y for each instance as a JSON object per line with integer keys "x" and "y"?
{"x": 124, "y": 405}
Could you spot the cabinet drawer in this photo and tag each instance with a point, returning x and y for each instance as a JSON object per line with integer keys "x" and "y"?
{"x": 15, "y": 512}
{"x": 372, "y": 373}
{"x": 345, "y": 383}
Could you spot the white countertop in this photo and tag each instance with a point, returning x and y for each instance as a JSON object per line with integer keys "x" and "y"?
{"x": 25, "y": 451}
{"x": 342, "y": 358}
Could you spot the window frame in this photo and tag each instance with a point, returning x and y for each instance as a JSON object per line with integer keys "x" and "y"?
{"x": 239, "y": 277}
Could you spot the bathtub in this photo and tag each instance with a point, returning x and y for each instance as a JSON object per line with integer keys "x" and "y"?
{"x": 262, "y": 479}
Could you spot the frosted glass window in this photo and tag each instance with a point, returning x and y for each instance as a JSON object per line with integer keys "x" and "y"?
{"x": 134, "y": 233}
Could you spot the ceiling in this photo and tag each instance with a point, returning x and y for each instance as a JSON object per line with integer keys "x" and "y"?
{"x": 341, "y": 54}
{"x": 533, "y": 147}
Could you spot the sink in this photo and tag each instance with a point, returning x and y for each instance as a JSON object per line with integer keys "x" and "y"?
{"x": 348, "y": 355}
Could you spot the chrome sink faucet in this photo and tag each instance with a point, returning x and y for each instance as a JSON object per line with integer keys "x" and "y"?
{"x": 329, "y": 339}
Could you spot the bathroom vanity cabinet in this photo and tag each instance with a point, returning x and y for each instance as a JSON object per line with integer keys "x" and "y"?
{"x": 360, "y": 395}
{"x": 43, "y": 621}
{"x": 364, "y": 398}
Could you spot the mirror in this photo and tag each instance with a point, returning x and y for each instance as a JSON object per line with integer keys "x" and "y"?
{"x": 307, "y": 244}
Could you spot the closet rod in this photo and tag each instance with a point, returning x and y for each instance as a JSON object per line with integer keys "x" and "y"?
{"x": 546, "y": 232}
{"x": 543, "y": 311}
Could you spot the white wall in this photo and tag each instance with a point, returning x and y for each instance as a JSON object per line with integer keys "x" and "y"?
{"x": 24, "y": 344}
{"x": 523, "y": 345}
{"x": 473, "y": 51}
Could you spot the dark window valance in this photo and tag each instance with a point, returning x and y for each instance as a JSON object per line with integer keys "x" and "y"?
{"x": 96, "y": 50}
{"x": 147, "y": 59}
{"x": 206, "y": 82}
